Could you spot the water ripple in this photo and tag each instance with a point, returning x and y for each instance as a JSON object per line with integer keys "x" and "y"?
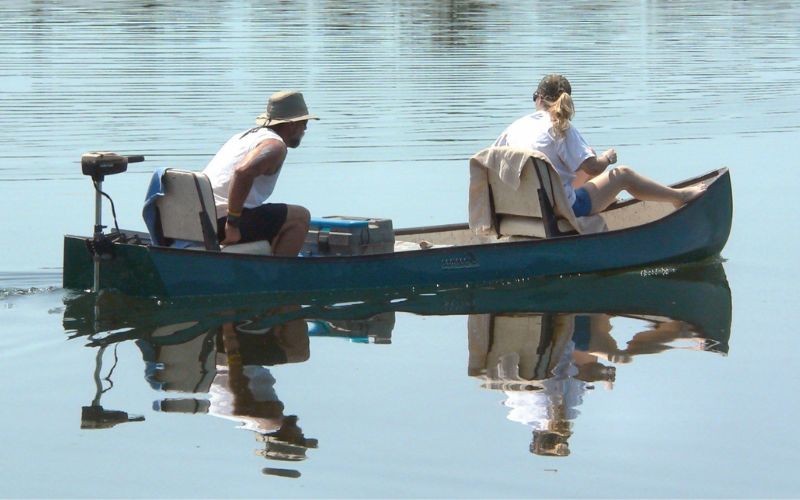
{"x": 417, "y": 76}
{"x": 29, "y": 283}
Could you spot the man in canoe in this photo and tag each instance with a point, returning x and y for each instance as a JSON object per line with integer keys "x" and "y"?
{"x": 244, "y": 171}
{"x": 589, "y": 187}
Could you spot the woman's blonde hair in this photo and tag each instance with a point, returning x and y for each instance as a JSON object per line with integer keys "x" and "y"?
{"x": 561, "y": 112}
{"x": 555, "y": 92}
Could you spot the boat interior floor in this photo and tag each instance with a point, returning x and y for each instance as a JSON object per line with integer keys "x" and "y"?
{"x": 620, "y": 215}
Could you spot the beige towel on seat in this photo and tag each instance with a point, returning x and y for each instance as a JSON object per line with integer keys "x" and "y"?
{"x": 509, "y": 163}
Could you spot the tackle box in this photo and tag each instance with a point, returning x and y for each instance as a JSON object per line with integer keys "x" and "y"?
{"x": 343, "y": 235}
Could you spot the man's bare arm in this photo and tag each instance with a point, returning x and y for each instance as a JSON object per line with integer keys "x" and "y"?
{"x": 264, "y": 159}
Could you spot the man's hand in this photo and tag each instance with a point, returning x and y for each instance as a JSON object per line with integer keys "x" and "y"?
{"x": 232, "y": 235}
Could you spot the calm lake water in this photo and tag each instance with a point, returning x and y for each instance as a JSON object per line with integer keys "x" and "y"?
{"x": 676, "y": 382}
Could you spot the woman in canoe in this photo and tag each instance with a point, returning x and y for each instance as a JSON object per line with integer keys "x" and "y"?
{"x": 589, "y": 187}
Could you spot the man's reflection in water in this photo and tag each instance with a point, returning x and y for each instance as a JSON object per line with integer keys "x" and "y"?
{"x": 243, "y": 389}
{"x": 240, "y": 384}
{"x": 544, "y": 363}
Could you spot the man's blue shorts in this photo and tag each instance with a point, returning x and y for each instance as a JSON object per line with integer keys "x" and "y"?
{"x": 583, "y": 204}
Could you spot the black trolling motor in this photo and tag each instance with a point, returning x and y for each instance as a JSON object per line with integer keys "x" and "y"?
{"x": 97, "y": 165}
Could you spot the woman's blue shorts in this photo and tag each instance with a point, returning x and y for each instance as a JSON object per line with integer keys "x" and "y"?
{"x": 583, "y": 204}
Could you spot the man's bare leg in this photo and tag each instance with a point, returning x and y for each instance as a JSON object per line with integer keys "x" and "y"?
{"x": 581, "y": 178}
{"x": 289, "y": 240}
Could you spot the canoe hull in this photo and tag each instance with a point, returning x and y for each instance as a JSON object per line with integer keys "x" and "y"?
{"x": 695, "y": 232}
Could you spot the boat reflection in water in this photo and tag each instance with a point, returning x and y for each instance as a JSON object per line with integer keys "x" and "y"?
{"x": 223, "y": 371}
{"x": 544, "y": 343}
{"x": 544, "y": 363}
{"x": 219, "y": 362}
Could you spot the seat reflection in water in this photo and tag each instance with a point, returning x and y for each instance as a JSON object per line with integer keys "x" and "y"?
{"x": 230, "y": 363}
{"x": 545, "y": 363}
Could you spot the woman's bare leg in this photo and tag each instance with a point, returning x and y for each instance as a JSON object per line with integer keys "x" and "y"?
{"x": 290, "y": 238}
{"x": 581, "y": 178}
{"x": 604, "y": 188}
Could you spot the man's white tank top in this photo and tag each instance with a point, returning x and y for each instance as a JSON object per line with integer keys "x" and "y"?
{"x": 220, "y": 170}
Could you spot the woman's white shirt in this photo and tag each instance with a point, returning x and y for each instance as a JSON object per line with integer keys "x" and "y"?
{"x": 566, "y": 153}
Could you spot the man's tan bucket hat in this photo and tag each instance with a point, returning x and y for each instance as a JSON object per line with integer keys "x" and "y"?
{"x": 283, "y": 107}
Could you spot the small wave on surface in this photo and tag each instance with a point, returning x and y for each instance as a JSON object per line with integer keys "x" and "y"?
{"x": 29, "y": 283}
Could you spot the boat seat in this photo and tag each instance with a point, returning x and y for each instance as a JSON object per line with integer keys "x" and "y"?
{"x": 525, "y": 196}
{"x": 187, "y": 213}
{"x": 528, "y": 210}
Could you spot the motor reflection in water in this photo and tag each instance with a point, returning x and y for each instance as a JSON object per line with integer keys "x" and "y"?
{"x": 543, "y": 344}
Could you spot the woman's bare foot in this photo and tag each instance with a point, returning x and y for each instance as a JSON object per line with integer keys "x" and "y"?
{"x": 687, "y": 194}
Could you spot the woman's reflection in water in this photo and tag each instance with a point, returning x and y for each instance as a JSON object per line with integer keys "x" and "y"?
{"x": 546, "y": 362}
{"x": 244, "y": 389}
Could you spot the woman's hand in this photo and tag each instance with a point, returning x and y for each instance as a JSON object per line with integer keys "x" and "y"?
{"x": 609, "y": 156}
{"x": 596, "y": 165}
